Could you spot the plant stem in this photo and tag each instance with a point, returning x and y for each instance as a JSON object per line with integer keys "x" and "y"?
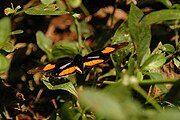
{"x": 112, "y": 15}
{"x": 109, "y": 82}
{"x": 84, "y": 9}
{"x": 148, "y": 98}
{"x": 176, "y": 32}
{"x": 78, "y": 33}
{"x": 148, "y": 82}
{"x": 143, "y": 92}
{"x": 152, "y": 82}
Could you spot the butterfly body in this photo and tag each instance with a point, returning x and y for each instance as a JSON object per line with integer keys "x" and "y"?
{"x": 68, "y": 66}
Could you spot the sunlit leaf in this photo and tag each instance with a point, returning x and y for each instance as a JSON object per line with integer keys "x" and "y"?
{"x": 118, "y": 91}
{"x": 75, "y": 3}
{"x": 83, "y": 27}
{"x": 177, "y": 62}
{"x": 48, "y": 1}
{"x": 146, "y": 56}
{"x": 114, "y": 100}
{"x": 17, "y": 8}
{"x": 166, "y": 3}
{"x": 141, "y": 34}
{"x": 162, "y": 15}
{"x": 154, "y": 61}
{"x": 8, "y": 47}
{"x": 169, "y": 48}
{"x": 156, "y": 76}
{"x": 167, "y": 115}
{"x": 139, "y": 75}
{"x": 121, "y": 35}
{"x": 176, "y": 6}
{"x": 5, "y": 29}
{"x": 159, "y": 49}
{"x": 102, "y": 104}
{"x": 51, "y": 9}
{"x": 65, "y": 86}
{"x": 4, "y": 64}
{"x": 44, "y": 43}
{"x": 65, "y": 49}
{"x": 17, "y": 32}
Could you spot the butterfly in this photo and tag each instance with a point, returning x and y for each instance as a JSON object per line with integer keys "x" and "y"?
{"x": 69, "y": 66}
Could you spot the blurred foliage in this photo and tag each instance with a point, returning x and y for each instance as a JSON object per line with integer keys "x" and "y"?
{"x": 131, "y": 86}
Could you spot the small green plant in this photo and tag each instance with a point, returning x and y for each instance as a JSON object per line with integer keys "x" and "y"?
{"x": 6, "y": 45}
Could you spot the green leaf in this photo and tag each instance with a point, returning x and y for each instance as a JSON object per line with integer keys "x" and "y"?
{"x": 65, "y": 86}
{"x": 156, "y": 76}
{"x": 167, "y": 115}
{"x": 159, "y": 49}
{"x": 154, "y": 61}
{"x": 47, "y": 1}
{"x": 122, "y": 94}
{"x": 177, "y": 62}
{"x": 44, "y": 43}
{"x": 43, "y": 9}
{"x": 17, "y": 8}
{"x": 139, "y": 75}
{"x": 17, "y": 32}
{"x": 140, "y": 33}
{"x": 176, "y": 6}
{"x": 162, "y": 15}
{"x": 74, "y": 3}
{"x": 118, "y": 91}
{"x": 5, "y": 29}
{"x": 133, "y": 69}
{"x": 83, "y": 26}
{"x": 146, "y": 56}
{"x": 121, "y": 35}
{"x": 4, "y": 64}
{"x": 112, "y": 103}
{"x": 132, "y": 66}
{"x": 65, "y": 49}
{"x": 8, "y": 47}
{"x": 169, "y": 48}
{"x": 102, "y": 104}
{"x": 167, "y": 3}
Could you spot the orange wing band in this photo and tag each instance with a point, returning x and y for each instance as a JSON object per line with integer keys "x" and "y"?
{"x": 108, "y": 50}
{"x": 69, "y": 71}
{"x": 93, "y": 62}
{"x": 49, "y": 67}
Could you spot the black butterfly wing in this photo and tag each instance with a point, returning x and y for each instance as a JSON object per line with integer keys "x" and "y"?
{"x": 64, "y": 67}
{"x": 101, "y": 55}
{"x": 94, "y": 58}
{"x": 67, "y": 66}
